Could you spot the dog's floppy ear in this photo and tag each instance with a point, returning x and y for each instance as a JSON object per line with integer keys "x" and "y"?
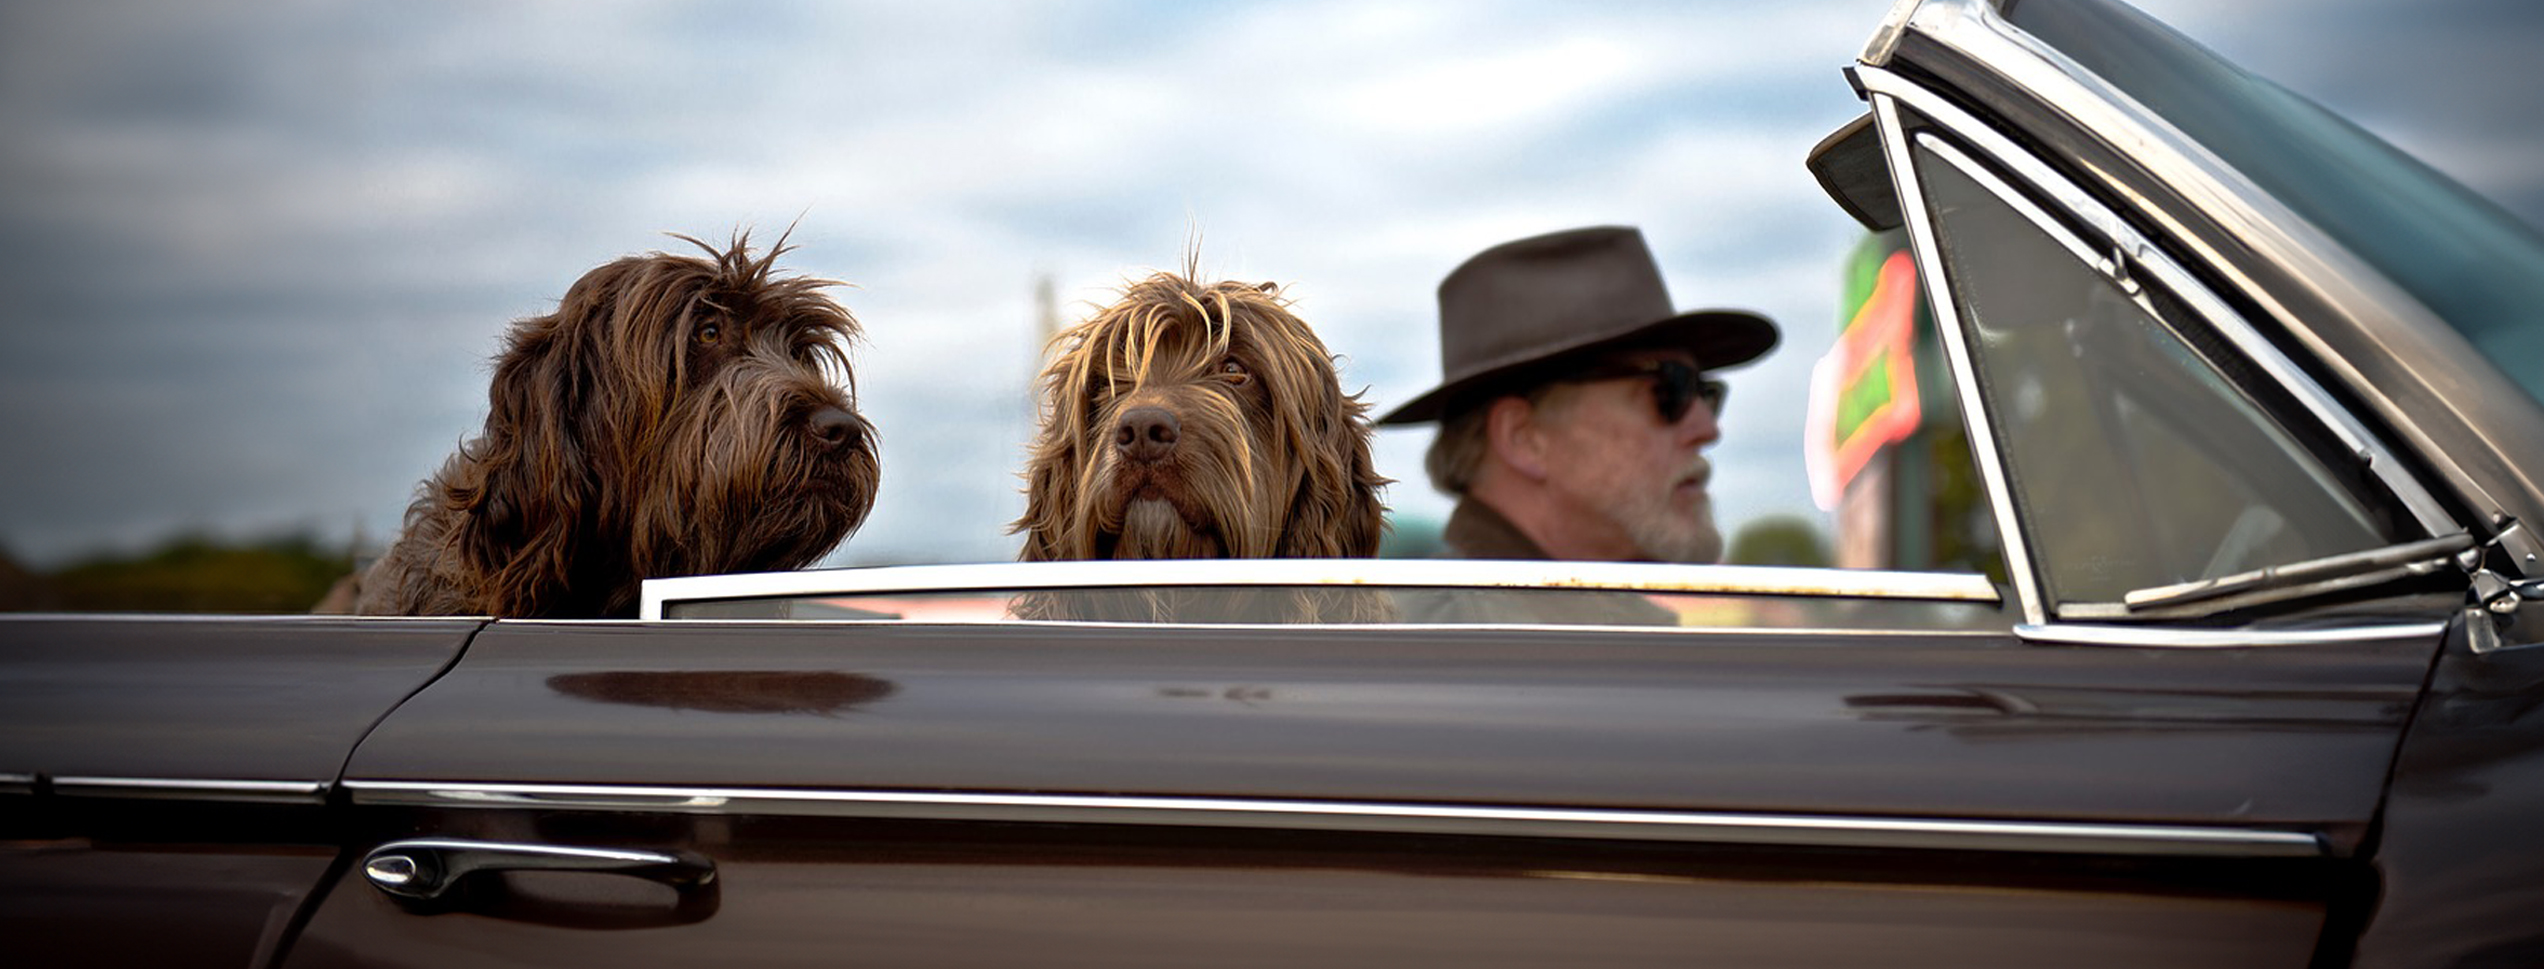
{"x": 1042, "y": 525}
{"x": 1336, "y": 512}
{"x": 526, "y": 484}
{"x": 1057, "y": 456}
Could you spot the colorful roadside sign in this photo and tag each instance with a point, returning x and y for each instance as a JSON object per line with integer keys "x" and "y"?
{"x": 1864, "y": 390}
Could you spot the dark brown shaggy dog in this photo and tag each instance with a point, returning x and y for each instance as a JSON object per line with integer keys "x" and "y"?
{"x": 1193, "y": 421}
{"x": 675, "y": 416}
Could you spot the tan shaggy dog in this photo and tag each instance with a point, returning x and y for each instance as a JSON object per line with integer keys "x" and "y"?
{"x": 676, "y": 415}
{"x": 1198, "y": 421}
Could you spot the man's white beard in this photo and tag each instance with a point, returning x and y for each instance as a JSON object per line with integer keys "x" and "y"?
{"x": 1664, "y": 536}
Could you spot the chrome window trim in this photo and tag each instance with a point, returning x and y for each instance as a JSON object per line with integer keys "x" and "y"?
{"x": 2130, "y": 248}
{"x": 2157, "y": 637}
{"x": 297, "y": 792}
{"x": 1939, "y": 301}
{"x": 1385, "y": 573}
{"x": 1885, "y": 38}
{"x": 1406, "y": 818}
{"x": 2309, "y": 256}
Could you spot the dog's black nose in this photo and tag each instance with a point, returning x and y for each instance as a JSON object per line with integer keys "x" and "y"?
{"x": 836, "y": 427}
{"x": 1147, "y": 434}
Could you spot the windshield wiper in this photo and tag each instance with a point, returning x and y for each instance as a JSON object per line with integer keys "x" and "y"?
{"x": 2375, "y": 566}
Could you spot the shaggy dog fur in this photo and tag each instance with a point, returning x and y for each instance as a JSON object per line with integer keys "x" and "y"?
{"x": 675, "y": 416}
{"x": 1198, "y": 421}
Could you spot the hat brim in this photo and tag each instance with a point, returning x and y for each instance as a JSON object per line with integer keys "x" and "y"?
{"x": 1719, "y": 338}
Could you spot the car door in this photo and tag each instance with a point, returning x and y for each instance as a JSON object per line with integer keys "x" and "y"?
{"x": 165, "y": 781}
{"x": 1773, "y": 793}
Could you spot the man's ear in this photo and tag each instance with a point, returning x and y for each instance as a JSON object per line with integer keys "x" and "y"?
{"x": 1516, "y": 432}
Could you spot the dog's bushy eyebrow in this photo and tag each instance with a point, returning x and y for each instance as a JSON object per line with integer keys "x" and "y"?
{"x": 733, "y": 284}
{"x": 746, "y": 290}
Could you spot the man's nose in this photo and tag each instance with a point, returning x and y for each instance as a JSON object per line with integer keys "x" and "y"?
{"x": 1698, "y": 426}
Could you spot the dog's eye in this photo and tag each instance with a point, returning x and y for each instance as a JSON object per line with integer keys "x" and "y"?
{"x": 1235, "y": 372}
{"x": 709, "y": 333}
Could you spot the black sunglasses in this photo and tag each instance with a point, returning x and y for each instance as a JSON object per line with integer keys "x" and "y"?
{"x": 1675, "y": 386}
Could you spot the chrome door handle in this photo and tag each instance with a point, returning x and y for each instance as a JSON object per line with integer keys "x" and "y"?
{"x": 423, "y": 868}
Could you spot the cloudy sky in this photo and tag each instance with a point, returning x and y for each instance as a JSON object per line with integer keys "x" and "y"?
{"x": 256, "y": 255}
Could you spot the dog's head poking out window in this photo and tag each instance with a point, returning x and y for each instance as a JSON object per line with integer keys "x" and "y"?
{"x": 1198, "y": 421}
{"x": 676, "y": 415}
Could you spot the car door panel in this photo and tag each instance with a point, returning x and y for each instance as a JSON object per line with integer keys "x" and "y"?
{"x": 1952, "y": 725}
{"x": 165, "y": 780}
{"x": 203, "y": 697}
{"x": 2459, "y": 835}
{"x": 83, "y": 902}
{"x": 921, "y": 894}
{"x": 1142, "y": 792}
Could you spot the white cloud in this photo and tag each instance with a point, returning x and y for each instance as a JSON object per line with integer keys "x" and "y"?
{"x": 1516, "y": 87}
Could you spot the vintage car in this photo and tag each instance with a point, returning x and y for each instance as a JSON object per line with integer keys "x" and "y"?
{"x": 2253, "y": 399}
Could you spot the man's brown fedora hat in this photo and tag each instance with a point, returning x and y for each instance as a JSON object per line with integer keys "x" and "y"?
{"x": 1564, "y": 296}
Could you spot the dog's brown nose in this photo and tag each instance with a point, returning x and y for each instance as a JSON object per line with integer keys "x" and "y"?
{"x": 836, "y": 427}
{"x": 1147, "y": 434}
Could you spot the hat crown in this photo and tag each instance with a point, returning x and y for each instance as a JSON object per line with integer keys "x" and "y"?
{"x": 1539, "y": 296}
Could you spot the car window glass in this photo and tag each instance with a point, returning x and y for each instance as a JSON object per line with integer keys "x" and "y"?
{"x": 2134, "y": 461}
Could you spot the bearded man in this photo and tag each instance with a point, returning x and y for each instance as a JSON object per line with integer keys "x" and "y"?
{"x": 1577, "y": 404}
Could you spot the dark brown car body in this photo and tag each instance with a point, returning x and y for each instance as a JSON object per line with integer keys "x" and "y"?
{"x": 2263, "y": 762}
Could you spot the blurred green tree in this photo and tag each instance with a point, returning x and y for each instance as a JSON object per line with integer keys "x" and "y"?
{"x": 198, "y": 573}
{"x": 1779, "y": 540}
{"x": 21, "y": 590}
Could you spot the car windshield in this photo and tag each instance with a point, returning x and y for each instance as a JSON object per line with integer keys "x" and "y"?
{"x": 2457, "y": 253}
